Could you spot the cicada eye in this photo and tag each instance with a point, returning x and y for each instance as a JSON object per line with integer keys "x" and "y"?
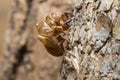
{"x": 69, "y": 15}
{"x": 66, "y": 16}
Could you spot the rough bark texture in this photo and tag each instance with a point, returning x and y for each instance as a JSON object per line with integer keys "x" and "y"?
{"x": 93, "y": 48}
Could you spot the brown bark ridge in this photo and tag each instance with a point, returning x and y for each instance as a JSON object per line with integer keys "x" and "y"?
{"x": 93, "y": 48}
{"x": 24, "y": 57}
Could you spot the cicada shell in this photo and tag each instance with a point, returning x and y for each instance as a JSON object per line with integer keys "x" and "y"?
{"x": 49, "y": 31}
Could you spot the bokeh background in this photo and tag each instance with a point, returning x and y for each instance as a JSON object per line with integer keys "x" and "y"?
{"x": 4, "y": 20}
{"x": 38, "y": 63}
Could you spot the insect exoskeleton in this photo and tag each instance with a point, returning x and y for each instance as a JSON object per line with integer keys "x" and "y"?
{"x": 52, "y": 20}
{"x": 44, "y": 29}
{"x": 49, "y": 32}
{"x": 52, "y": 45}
{"x": 65, "y": 20}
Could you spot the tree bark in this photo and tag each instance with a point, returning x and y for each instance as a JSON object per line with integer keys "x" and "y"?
{"x": 92, "y": 51}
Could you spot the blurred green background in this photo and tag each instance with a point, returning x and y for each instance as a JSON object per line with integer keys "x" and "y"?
{"x": 4, "y": 20}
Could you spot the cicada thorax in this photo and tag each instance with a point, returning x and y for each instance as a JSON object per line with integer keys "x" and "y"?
{"x": 50, "y": 21}
{"x": 53, "y": 22}
{"x": 44, "y": 29}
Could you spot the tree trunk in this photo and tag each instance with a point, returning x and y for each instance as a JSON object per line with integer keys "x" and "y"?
{"x": 93, "y": 48}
